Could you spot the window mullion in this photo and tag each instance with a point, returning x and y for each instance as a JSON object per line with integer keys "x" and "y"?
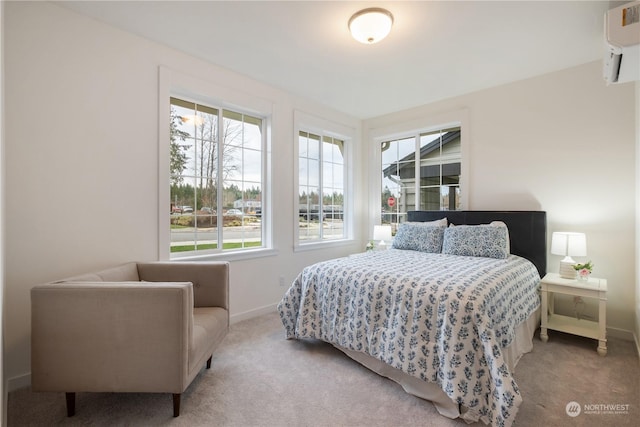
{"x": 195, "y": 178}
{"x": 320, "y": 186}
{"x": 219, "y": 182}
{"x": 242, "y": 182}
{"x": 440, "y": 181}
{"x": 264, "y": 185}
{"x": 418, "y": 161}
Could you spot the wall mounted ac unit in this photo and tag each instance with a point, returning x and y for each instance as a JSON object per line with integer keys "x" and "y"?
{"x": 622, "y": 43}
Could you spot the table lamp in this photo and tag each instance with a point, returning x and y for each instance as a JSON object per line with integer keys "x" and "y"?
{"x": 383, "y": 234}
{"x": 568, "y": 244}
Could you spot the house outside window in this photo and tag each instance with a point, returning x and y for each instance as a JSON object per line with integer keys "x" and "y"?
{"x": 216, "y": 179}
{"x": 430, "y": 183}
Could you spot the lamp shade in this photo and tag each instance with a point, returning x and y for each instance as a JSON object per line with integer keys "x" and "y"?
{"x": 382, "y": 232}
{"x": 371, "y": 25}
{"x": 568, "y": 244}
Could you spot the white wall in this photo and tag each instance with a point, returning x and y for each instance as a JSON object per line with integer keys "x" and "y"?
{"x": 82, "y": 162}
{"x": 563, "y": 143}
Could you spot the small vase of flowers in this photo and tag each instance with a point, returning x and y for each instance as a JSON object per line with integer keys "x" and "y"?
{"x": 583, "y": 270}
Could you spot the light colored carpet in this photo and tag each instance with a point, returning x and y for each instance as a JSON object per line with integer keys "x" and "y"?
{"x": 258, "y": 378}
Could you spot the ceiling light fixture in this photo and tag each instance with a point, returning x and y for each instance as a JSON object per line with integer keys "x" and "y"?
{"x": 371, "y": 25}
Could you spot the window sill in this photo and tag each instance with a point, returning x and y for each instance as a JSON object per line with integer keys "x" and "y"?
{"x": 227, "y": 256}
{"x": 323, "y": 245}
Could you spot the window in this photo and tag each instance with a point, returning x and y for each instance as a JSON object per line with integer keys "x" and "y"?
{"x": 323, "y": 193}
{"x": 216, "y": 179}
{"x": 431, "y": 183}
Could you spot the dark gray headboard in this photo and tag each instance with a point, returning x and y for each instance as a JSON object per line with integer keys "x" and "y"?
{"x": 527, "y": 229}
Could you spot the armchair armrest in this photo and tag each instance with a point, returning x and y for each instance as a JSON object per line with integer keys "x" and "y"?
{"x": 210, "y": 279}
{"x": 107, "y": 336}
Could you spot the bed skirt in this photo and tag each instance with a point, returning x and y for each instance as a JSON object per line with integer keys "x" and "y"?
{"x": 522, "y": 343}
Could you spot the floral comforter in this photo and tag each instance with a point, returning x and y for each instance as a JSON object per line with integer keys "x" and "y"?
{"x": 441, "y": 318}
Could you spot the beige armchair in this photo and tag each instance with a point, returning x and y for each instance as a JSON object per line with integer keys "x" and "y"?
{"x": 138, "y": 327}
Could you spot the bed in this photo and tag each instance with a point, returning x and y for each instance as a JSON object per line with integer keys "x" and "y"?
{"x": 447, "y": 312}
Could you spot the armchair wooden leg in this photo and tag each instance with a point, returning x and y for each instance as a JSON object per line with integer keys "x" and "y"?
{"x": 71, "y": 404}
{"x": 176, "y": 404}
{"x": 209, "y": 362}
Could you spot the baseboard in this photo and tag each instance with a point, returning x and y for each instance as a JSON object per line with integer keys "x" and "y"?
{"x": 235, "y": 318}
{"x": 623, "y": 334}
{"x": 19, "y": 382}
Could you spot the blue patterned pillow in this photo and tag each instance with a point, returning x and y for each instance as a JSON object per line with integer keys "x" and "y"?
{"x": 419, "y": 237}
{"x": 476, "y": 240}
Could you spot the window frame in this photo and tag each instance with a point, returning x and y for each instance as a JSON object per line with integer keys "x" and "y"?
{"x": 179, "y": 85}
{"x": 308, "y": 123}
{"x": 410, "y": 129}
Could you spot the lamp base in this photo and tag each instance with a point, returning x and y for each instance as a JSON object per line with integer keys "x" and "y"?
{"x": 566, "y": 270}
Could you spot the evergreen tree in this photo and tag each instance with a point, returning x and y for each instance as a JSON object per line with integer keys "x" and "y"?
{"x": 178, "y": 159}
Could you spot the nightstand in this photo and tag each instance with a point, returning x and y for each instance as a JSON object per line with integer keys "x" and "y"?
{"x": 552, "y": 284}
